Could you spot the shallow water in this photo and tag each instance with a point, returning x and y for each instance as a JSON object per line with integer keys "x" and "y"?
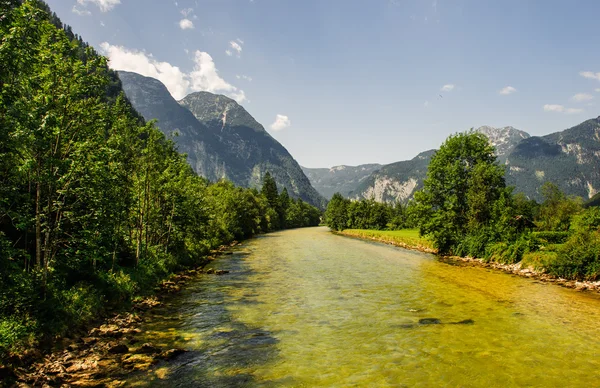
{"x": 305, "y": 308}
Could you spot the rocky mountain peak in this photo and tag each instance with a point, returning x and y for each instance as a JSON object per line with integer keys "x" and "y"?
{"x": 504, "y": 139}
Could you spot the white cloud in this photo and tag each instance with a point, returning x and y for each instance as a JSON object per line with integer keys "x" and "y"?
{"x": 598, "y": 89}
{"x": 236, "y": 46}
{"x": 561, "y": 109}
{"x": 426, "y": 104}
{"x": 281, "y": 122}
{"x": 186, "y": 24}
{"x": 104, "y": 5}
{"x": 203, "y": 77}
{"x": 80, "y": 12}
{"x": 244, "y": 77}
{"x": 187, "y": 11}
{"x": 590, "y": 74}
{"x": 447, "y": 88}
{"x": 581, "y": 97}
{"x": 507, "y": 90}
{"x": 228, "y": 52}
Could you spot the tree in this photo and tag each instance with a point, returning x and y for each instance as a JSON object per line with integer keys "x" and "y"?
{"x": 557, "y": 209}
{"x": 336, "y": 214}
{"x": 463, "y": 183}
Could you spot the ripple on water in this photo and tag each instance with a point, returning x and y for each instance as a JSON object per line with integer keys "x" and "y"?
{"x": 307, "y": 308}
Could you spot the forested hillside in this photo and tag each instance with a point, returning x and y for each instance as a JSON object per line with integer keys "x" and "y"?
{"x": 221, "y": 139}
{"x": 95, "y": 205}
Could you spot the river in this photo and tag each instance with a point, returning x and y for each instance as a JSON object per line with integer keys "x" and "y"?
{"x": 306, "y": 308}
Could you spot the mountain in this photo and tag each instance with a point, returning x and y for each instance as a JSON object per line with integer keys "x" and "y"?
{"x": 570, "y": 159}
{"x": 397, "y": 181}
{"x": 338, "y": 179}
{"x": 503, "y": 139}
{"x": 221, "y": 139}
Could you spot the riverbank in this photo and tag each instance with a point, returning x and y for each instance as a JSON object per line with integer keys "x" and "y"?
{"x": 408, "y": 240}
{"x": 102, "y": 354}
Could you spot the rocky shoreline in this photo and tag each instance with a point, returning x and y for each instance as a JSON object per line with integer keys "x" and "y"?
{"x": 514, "y": 269}
{"x": 105, "y": 354}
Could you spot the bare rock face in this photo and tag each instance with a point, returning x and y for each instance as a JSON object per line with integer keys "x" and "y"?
{"x": 220, "y": 138}
{"x": 570, "y": 159}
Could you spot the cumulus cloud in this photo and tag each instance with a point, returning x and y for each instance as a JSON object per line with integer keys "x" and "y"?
{"x": 507, "y": 90}
{"x": 281, "y": 122}
{"x": 228, "y": 52}
{"x": 582, "y": 97}
{"x": 590, "y": 75}
{"x": 80, "y": 12}
{"x": 186, "y": 24}
{"x": 244, "y": 77}
{"x": 203, "y": 77}
{"x": 104, "y": 5}
{"x": 561, "y": 109}
{"x": 236, "y": 46}
{"x": 447, "y": 88}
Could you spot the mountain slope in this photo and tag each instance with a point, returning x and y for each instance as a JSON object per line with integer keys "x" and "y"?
{"x": 399, "y": 181}
{"x": 570, "y": 159}
{"x": 221, "y": 138}
{"x": 339, "y": 179}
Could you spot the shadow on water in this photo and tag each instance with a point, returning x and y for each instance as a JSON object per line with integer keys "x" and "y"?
{"x": 221, "y": 350}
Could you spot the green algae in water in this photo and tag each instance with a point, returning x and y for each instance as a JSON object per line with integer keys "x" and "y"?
{"x": 307, "y": 308}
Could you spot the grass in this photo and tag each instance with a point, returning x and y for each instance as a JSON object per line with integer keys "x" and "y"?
{"x": 407, "y": 238}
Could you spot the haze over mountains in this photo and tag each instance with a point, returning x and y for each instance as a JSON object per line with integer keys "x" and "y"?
{"x": 221, "y": 139}
{"x": 570, "y": 159}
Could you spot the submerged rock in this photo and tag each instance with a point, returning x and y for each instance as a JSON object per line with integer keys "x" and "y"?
{"x": 429, "y": 321}
{"x": 148, "y": 349}
{"x": 118, "y": 349}
{"x": 464, "y": 322}
{"x": 171, "y": 353}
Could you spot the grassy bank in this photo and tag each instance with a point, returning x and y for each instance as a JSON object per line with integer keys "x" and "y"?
{"x": 405, "y": 238}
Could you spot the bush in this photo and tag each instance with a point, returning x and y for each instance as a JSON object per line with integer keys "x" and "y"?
{"x": 579, "y": 257}
{"x": 473, "y": 245}
{"x": 539, "y": 260}
{"x": 551, "y": 237}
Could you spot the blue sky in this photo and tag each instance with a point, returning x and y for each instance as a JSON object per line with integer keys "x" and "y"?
{"x": 352, "y": 82}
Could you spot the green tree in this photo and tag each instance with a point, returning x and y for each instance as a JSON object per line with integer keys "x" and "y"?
{"x": 557, "y": 209}
{"x": 463, "y": 183}
{"x": 336, "y": 214}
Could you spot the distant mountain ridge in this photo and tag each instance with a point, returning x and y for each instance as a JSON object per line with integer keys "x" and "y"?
{"x": 570, "y": 159}
{"x": 339, "y": 179}
{"x": 221, "y": 139}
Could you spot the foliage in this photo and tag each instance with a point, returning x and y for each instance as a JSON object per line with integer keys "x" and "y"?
{"x": 96, "y": 206}
{"x": 557, "y": 209}
{"x": 409, "y": 238}
{"x": 463, "y": 187}
{"x": 550, "y": 237}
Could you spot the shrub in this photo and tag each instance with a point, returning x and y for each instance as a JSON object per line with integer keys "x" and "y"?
{"x": 551, "y": 237}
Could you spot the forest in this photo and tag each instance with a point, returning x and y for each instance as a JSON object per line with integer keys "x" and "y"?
{"x": 466, "y": 209}
{"x": 96, "y": 205}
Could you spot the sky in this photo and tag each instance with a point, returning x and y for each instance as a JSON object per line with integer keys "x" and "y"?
{"x": 362, "y": 81}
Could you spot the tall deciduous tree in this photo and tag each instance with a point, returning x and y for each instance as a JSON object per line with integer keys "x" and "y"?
{"x": 462, "y": 186}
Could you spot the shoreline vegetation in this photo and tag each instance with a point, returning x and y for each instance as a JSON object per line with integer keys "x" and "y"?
{"x": 464, "y": 209}
{"x": 406, "y": 239}
{"x": 105, "y": 351}
{"x": 97, "y": 206}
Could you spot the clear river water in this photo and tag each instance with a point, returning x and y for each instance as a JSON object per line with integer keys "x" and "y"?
{"x": 306, "y": 308}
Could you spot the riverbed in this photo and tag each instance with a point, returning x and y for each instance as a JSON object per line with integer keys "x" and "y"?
{"x": 306, "y": 308}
